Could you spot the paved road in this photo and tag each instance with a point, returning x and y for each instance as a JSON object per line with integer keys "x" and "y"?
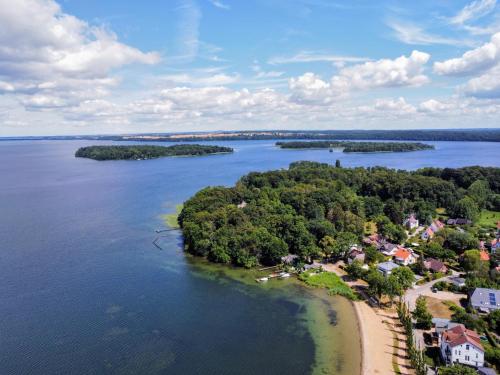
{"x": 411, "y": 295}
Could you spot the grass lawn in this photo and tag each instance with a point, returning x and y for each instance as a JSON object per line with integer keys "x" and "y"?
{"x": 330, "y": 281}
{"x": 171, "y": 219}
{"x": 438, "y": 308}
{"x": 488, "y": 218}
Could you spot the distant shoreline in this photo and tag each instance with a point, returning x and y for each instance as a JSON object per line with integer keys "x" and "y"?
{"x": 449, "y": 135}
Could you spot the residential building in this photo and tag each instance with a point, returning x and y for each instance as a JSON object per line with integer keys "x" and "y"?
{"x": 355, "y": 254}
{"x": 485, "y": 299}
{"x": 486, "y": 371}
{"x": 386, "y": 268}
{"x": 461, "y": 345}
{"x": 411, "y": 222}
{"x": 405, "y": 256}
{"x": 495, "y": 245}
{"x": 484, "y": 256}
{"x": 435, "y": 265}
{"x": 427, "y": 234}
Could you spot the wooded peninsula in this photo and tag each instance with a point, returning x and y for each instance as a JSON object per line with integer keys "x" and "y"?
{"x": 357, "y": 146}
{"x": 142, "y": 152}
{"x": 313, "y": 209}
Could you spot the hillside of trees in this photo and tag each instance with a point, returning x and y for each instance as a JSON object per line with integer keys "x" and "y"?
{"x": 358, "y": 146}
{"x": 313, "y": 208}
{"x": 135, "y": 152}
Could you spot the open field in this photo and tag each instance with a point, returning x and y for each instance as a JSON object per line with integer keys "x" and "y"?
{"x": 488, "y": 218}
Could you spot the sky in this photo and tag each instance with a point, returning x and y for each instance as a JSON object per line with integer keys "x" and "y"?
{"x": 118, "y": 66}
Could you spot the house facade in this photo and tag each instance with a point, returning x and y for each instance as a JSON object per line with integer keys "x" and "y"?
{"x": 434, "y": 265}
{"x": 404, "y": 256}
{"x": 461, "y": 345}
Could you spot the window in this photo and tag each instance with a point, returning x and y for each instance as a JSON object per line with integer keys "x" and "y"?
{"x": 466, "y": 347}
{"x": 467, "y": 358}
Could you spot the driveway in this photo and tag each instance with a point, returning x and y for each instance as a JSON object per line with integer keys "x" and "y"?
{"x": 411, "y": 295}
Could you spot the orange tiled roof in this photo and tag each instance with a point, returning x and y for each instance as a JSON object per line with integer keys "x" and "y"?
{"x": 484, "y": 255}
{"x": 402, "y": 253}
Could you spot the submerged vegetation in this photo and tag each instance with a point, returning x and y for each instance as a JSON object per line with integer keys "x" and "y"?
{"x": 358, "y": 146}
{"x": 330, "y": 281}
{"x": 315, "y": 209}
{"x": 141, "y": 152}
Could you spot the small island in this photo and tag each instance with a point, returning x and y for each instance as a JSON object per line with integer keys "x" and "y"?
{"x": 358, "y": 146}
{"x": 143, "y": 152}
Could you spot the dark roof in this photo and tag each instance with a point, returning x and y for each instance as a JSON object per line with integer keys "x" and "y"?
{"x": 433, "y": 264}
{"x": 485, "y": 298}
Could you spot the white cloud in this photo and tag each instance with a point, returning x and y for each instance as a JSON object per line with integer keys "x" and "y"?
{"x": 415, "y": 35}
{"x": 486, "y": 85}
{"x": 220, "y": 4}
{"x": 188, "y": 33}
{"x": 308, "y": 57}
{"x": 473, "y": 61}
{"x": 202, "y": 80}
{"x": 473, "y": 11}
{"x": 55, "y": 56}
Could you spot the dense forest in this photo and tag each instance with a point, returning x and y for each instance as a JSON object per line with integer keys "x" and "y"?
{"x": 135, "y": 152}
{"x": 315, "y": 208}
{"x": 357, "y": 146}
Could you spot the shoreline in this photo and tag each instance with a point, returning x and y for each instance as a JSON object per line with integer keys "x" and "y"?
{"x": 362, "y": 345}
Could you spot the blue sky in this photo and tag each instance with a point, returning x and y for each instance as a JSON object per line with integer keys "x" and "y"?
{"x": 115, "y": 66}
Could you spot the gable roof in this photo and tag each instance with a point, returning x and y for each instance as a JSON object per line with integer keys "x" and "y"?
{"x": 459, "y": 335}
{"x": 433, "y": 264}
{"x": 387, "y": 266}
{"x": 485, "y": 298}
{"x": 402, "y": 253}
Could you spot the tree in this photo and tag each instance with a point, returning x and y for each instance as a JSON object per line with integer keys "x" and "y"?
{"x": 466, "y": 208}
{"x": 421, "y": 314}
{"x": 372, "y": 255}
{"x": 479, "y": 191}
{"x": 327, "y": 244}
{"x": 457, "y": 370}
{"x": 373, "y": 207}
{"x": 471, "y": 261}
{"x": 376, "y": 283}
{"x": 393, "y": 287}
{"x": 394, "y": 211}
{"x": 355, "y": 269}
{"x": 405, "y": 277}
{"x": 459, "y": 241}
{"x": 343, "y": 243}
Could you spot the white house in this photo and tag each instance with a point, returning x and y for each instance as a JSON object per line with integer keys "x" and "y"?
{"x": 405, "y": 256}
{"x": 411, "y": 222}
{"x": 461, "y": 345}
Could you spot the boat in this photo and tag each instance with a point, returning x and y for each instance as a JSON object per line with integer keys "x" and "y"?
{"x": 284, "y": 275}
{"x": 262, "y": 280}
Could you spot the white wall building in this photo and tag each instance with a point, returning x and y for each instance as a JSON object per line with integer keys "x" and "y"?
{"x": 461, "y": 345}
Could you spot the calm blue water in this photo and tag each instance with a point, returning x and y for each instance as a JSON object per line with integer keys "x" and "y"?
{"x": 83, "y": 291}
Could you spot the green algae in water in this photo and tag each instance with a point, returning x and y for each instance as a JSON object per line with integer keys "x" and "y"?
{"x": 330, "y": 321}
{"x": 171, "y": 219}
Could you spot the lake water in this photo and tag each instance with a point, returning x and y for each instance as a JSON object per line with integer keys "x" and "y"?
{"x": 84, "y": 291}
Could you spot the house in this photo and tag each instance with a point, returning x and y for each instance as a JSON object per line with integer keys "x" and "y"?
{"x": 434, "y": 265}
{"x": 457, "y": 281}
{"x": 436, "y": 226}
{"x": 485, "y": 299}
{"x": 373, "y": 239}
{"x": 289, "y": 259}
{"x": 461, "y": 345}
{"x": 458, "y": 222}
{"x": 404, "y": 256}
{"x": 427, "y": 234}
{"x": 355, "y": 254}
{"x": 243, "y": 204}
{"x": 411, "y": 222}
{"x": 441, "y": 324}
{"x": 388, "y": 249}
{"x": 386, "y": 268}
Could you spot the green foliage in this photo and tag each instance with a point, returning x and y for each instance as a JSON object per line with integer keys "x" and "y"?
{"x": 330, "y": 281}
{"x": 355, "y": 269}
{"x": 312, "y": 209}
{"x": 372, "y": 255}
{"x": 458, "y": 241}
{"x": 466, "y": 208}
{"x": 456, "y": 370}
{"x": 435, "y": 250}
{"x": 358, "y": 146}
{"x": 421, "y": 314}
{"x": 135, "y": 152}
